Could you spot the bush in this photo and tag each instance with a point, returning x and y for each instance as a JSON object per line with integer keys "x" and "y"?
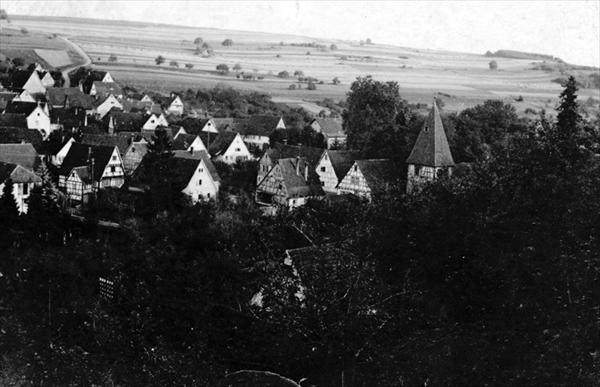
{"x": 227, "y": 42}
{"x": 198, "y": 41}
{"x": 223, "y": 68}
{"x": 298, "y": 73}
{"x": 112, "y": 58}
{"x": 336, "y": 81}
{"x": 493, "y": 65}
{"x": 292, "y": 87}
{"x": 333, "y": 47}
{"x": 173, "y": 63}
{"x": 237, "y": 67}
{"x": 283, "y": 74}
{"x": 24, "y": 31}
{"x": 159, "y": 60}
{"x": 18, "y": 61}
{"x": 311, "y": 86}
{"x": 189, "y": 66}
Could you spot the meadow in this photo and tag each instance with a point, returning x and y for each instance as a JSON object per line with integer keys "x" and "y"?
{"x": 459, "y": 79}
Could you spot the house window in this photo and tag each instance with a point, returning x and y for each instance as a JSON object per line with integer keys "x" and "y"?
{"x": 323, "y": 169}
{"x": 237, "y": 149}
{"x": 132, "y": 150}
{"x": 322, "y": 184}
{"x": 200, "y": 182}
{"x": 114, "y": 158}
{"x": 112, "y": 169}
{"x": 201, "y": 170}
{"x": 25, "y": 189}
{"x": 208, "y": 195}
{"x": 356, "y": 167}
{"x": 354, "y": 180}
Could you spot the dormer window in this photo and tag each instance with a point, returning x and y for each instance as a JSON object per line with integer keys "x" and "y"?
{"x": 426, "y": 129}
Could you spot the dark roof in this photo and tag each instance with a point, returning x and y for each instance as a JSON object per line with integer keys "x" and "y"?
{"x": 295, "y": 184}
{"x": 24, "y": 155}
{"x": 223, "y": 123}
{"x": 183, "y": 141}
{"x": 256, "y": 125}
{"x": 79, "y": 156}
{"x": 126, "y": 122}
{"x": 76, "y": 98}
{"x": 17, "y": 135}
{"x": 121, "y": 142}
{"x": 342, "y": 160}
{"x": 330, "y": 127}
{"x": 180, "y": 170}
{"x": 200, "y": 155}
{"x": 105, "y": 88}
{"x": 283, "y": 151}
{"x": 5, "y": 98}
{"x": 431, "y": 148}
{"x": 19, "y": 78}
{"x": 193, "y": 125}
{"x": 148, "y": 134}
{"x": 21, "y": 107}
{"x": 218, "y": 142}
{"x": 13, "y": 120}
{"x": 378, "y": 172}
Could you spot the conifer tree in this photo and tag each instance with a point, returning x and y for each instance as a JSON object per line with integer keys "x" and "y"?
{"x": 9, "y": 211}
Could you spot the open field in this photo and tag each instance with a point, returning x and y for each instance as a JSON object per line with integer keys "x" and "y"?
{"x": 50, "y": 50}
{"x": 462, "y": 79}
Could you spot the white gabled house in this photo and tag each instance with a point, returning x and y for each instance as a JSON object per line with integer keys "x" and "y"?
{"x": 46, "y": 79}
{"x": 366, "y": 178}
{"x": 34, "y": 84}
{"x": 110, "y": 102}
{"x": 146, "y": 98}
{"x": 39, "y": 119}
{"x": 188, "y": 142}
{"x": 23, "y": 180}
{"x": 57, "y": 159}
{"x": 24, "y": 97}
{"x": 333, "y": 166}
{"x": 227, "y": 147}
{"x": 154, "y": 122}
{"x": 107, "y": 78}
{"x": 175, "y": 105}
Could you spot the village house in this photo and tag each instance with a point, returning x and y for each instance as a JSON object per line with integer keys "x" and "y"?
{"x": 58, "y": 157}
{"x": 23, "y": 180}
{"x": 283, "y": 151}
{"x": 256, "y": 130}
{"x": 117, "y": 121}
{"x": 69, "y": 98}
{"x": 366, "y": 178}
{"x": 19, "y": 135}
{"x": 101, "y": 90}
{"x": 107, "y": 78}
{"x": 106, "y": 105}
{"x": 37, "y": 115}
{"x": 333, "y": 166}
{"x": 430, "y": 157}
{"x": 188, "y": 142}
{"x": 289, "y": 183}
{"x": 121, "y": 142}
{"x": 227, "y": 147}
{"x": 88, "y": 168}
{"x": 191, "y": 172}
{"x": 46, "y": 78}
{"x": 154, "y": 122}
{"x": 24, "y": 97}
{"x": 146, "y": 98}
{"x": 23, "y": 154}
{"x": 331, "y": 129}
{"x": 175, "y": 105}
{"x": 134, "y": 155}
{"x": 27, "y": 80}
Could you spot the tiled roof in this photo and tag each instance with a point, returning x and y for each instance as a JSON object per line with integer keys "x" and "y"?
{"x": 57, "y": 95}
{"x": 199, "y": 155}
{"x": 180, "y": 171}
{"x": 330, "y": 127}
{"x": 17, "y": 135}
{"x": 378, "y": 172}
{"x": 106, "y": 88}
{"x": 218, "y": 142}
{"x": 258, "y": 125}
{"x": 121, "y": 142}
{"x": 13, "y": 120}
{"x": 183, "y": 141}
{"x": 79, "y": 155}
{"x": 431, "y": 148}
{"x": 19, "y": 78}
{"x": 21, "y": 108}
{"x": 294, "y": 182}
{"x": 342, "y": 161}
{"x": 193, "y": 125}
{"x": 24, "y": 155}
{"x": 282, "y": 151}
{"x": 125, "y": 122}
{"x": 17, "y": 174}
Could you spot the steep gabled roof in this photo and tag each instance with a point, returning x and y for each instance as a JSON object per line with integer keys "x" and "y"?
{"x": 125, "y": 122}
{"x": 79, "y": 155}
{"x": 258, "y": 125}
{"x": 199, "y": 155}
{"x": 223, "y": 123}
{"x": 19, "y": 78}
{"x": 378, "y": 172}
{"x": 183, "y": 141}
{"x": 180, "y": 171}
{"x": 194, "y": 125}
{"x": 21, "y": 108}
{"x": 295, "y": 184}
{"x": 342, "y": 160}
{"x": 24, "y": 155}
{"x": 17, "y": 135}
{"x": 106, "y": 88}
{"x": 330, "y": 127}
{"x": 431, "y": 148}
{"x": 218, "y": 143}
{"x": 13, "y": 120}
{"x": 121, "y": 142}
{"x": 283, "y": 151}
{"x": 17, "y": 173}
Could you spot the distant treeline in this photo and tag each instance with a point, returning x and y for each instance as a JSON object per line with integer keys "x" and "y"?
{"x": 521, "y": 55}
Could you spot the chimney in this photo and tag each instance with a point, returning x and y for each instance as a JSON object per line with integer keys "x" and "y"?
{"x": 191, "y": 150}
{"x": 306, "y": 172}
{"x": 85, "y": 123}
{"x": 298, "y": 166}
{"x": 111, "y": 125}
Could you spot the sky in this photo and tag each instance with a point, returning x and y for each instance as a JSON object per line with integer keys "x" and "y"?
{"x": 566, "y": 29}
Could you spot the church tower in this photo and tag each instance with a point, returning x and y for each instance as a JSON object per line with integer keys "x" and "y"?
{"x": 430, "y": 157}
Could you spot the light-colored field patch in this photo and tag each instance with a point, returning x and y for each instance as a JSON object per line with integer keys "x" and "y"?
{"x": 56, "y": 58}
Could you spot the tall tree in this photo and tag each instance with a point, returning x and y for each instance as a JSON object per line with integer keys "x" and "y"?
{"x": 375, "y": 119}
{"x": 9, "y": 212}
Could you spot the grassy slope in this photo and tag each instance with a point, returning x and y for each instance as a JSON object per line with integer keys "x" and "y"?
{"x": 464, "y": 79}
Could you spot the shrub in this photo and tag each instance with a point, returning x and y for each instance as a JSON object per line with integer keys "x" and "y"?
{"x": 292, "y": 87}
{"x": 227, "y": 42}
{"x": 519, "y": 98}
{"x": 493, "y": 65}
{"x": 159, "y": 60}
{"x": 283, "y": 74}
{"x": 198, "y": 41}
{"x": 307, "y": 52}
{"x": 333, "y": 47}
{"x": 24, "y": 31}
{"x": 237, "y": 67}
{"x": 369, "y": 41}
{"x": 18, "y": 61}
{"x": 223, "y": 68}
{"x": 336, "y": 81}
{"x": 298, "y": 73}
{"x": 112, "y": 58}
{"x": 311, "y": 86}
{"x": 189, "y": 66}
{"x": 173, "y": 63}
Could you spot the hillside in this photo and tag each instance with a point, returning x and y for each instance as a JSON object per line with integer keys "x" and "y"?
{"x": 461, "y": 79}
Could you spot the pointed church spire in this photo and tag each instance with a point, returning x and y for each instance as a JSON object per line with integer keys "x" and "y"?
{"x": 431, "y": 148}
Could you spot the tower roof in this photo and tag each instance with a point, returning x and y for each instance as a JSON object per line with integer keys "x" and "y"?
{"x": 431, "y": 148}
